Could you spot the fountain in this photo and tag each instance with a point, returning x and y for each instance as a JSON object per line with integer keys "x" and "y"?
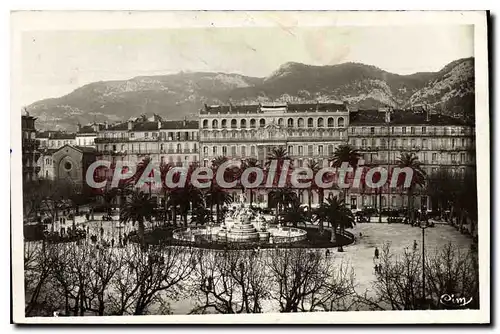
{"x": 242, "y": 226}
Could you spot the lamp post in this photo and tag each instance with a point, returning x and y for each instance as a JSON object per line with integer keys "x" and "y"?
{"x": 423, "y": 226}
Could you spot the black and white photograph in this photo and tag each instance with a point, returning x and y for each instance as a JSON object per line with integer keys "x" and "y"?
{"x": 250, "y": 167}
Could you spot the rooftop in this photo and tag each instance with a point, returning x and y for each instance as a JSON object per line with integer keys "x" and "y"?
{"x": 141, "y": 125}
{"x": 56, "y": 135}
{"x": 402, "y": 117}
{"x": 257, "y": 108}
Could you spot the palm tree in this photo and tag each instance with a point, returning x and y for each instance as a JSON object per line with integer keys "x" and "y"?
{"x": 295, "y": 214}
{"x": 218, "y": 197}
{"x": 249, "y": 163}
{"x": 140, "y": 208}
{"x": 410, "y": 160}
{"x": 282, "y": 197}
{"x": 335, "y": 212}
{"x": 345, "y": 153}
{"x": 277, "y": 153}
{"x": 315, "y": 167}
{"x": 186, "y": 197}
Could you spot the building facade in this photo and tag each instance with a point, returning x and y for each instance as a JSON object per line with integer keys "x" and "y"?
{"x": 55, "y": 139}
{"x": 381, "y": 136}
{"x": 173, "y": 142}
{"x": 307, "y": 131}
{"x": 86, "y": 135}
{"x": 30, "y": 147}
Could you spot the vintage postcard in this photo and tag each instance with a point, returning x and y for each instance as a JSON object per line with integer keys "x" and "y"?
{"x": 250, "y": 167}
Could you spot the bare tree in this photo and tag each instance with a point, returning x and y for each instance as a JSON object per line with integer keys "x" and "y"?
{"x": 230, "y": 281}
{"x": 144, "y": 275}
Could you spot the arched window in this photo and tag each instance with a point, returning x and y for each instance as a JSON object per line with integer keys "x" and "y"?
{"x": 205, "y": 123}
{"x": 233, "y": 124}
{"x": 300, "y": 122}
{"x": 330, "y": 122}
{"x": 243, "y": 123}
{"x": 320, "y": 122}
{"x": 224, "y": 150}
{"x": 215, "y": 124}
{"x": 223, "y": 124}
{"x": 252, "y": 123}
{"x": 214, "y": 150}
{"x": 310, "y": 122}
{"x": 341, "y": 122}
{"x": 280, "y": 121}
{"x": 290, "y": 122}
{"x": 262, "y": 123}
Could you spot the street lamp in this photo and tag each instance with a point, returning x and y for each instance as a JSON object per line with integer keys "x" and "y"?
{"x": 423, "y": 225}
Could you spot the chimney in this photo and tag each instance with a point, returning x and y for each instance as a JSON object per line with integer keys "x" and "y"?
{"x": 106, "y": 125}
{"x": 346, "y": 105}
{"x": 184, "y": 123}
{"x": 388, "y": 114}
{"x": 95, "y": 126}
{"x": 427, "y": 114}
{"x": 79, "y": 126}
{"x": 130, "y": 124}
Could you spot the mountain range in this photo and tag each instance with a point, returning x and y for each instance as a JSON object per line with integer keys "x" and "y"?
{"x": 177, "y": 96}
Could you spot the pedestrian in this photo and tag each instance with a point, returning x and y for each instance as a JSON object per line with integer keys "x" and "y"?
{"x": 112, "y": 242}
{"x": 360, "y": 235}
{"x": 327, "y": 253}
{"x": 102, "y": 232}
{"x": 376, "y": 253}
{"x": 414, "y": 245}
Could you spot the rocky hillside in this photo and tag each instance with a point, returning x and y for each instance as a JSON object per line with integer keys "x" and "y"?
{"x": 176, "y": 96}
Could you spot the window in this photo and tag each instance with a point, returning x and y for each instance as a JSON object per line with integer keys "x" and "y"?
{"x": 179, "y": 148}
{"x": 405, "y": 142}
{"x": 463, "y": 142}
{"x": 155, "y": 134}
{"x": 214, "y": 150}
{"x": 310, "y": 122}
{"x": 424, "y": 143}
{"x": 330, "y": 122}
{"x": 290, "y": 122}
{"x": 205, "y": 150}
{"x": 320, "y": 122}
{"x": 301, "y": 150}
{"x": 330, "y": 149}
{"x": 252, "y": 150}
{"x": 413, "y": 143}
{"x": 412, "y": 130}
{"x": 215, "y": 124}
{"x": 252, "y": 123}
{"x": 233, "y": 124}
{"x": 454, "y": 157}
{"x": 233, "y": 151}
{"x": 205, "y": 123}
{"x": 146, "y": 134}
{"x": 320, "y": 149}
{"x": 462, "y": 157}
{"x": 300, "y": 122}
{"x": 310, "y": 150}
{"x": 404, "y": 130}
{"x": 262, "y": 123}
{"x": 280, "y": 121}
{"x": 424, "y": 130}
{"x": 364, "y": 142}
{"x": 223, "y": 124}
{"x": 434, "y": 156}
{"x": 424, "y": 156}
{"x": 243, "y": 123}
{"x": 453, "y": 143}
{"x": 243, "y": 151}
{"x": 224, "y": 150}
{"x": 372, "y": 130}
{"x": 290, "y": 149}
{"x": 341, "y": 122}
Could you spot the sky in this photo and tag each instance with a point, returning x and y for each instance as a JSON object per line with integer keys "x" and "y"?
{"x": 54, "y": 63}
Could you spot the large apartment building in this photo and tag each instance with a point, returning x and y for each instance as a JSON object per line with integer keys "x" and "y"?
{"x": 307, "y": 131}
{"x": 381, "y": 136}
{"x": 173, "y": 142}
